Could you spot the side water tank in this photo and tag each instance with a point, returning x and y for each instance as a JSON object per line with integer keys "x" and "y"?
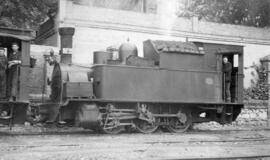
{"x": 101, "y": 57}
{"x": 126, "y": 50}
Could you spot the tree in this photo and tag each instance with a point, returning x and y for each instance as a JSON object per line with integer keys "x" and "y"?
{"x": 244, "y": 12}
{"x": 26, "y": 13}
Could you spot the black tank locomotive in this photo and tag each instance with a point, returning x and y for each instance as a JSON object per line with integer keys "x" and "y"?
{"x": 172, "y": 86}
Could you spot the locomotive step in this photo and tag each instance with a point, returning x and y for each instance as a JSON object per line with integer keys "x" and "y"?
{"x": 6, "y": 117}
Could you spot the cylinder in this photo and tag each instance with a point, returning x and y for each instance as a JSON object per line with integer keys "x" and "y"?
{"x": 101, "y": 57}
{"x": 87, "y": 116}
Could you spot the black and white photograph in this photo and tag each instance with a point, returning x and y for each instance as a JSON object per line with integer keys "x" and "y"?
{"x": 134, "y": 79}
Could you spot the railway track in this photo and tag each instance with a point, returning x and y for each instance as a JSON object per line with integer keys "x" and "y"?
{"x": 252, "y": 140}
{"x": 255, "y": 157}
{"x": 53, "y": 129}
{"x": 195, "y": 146}
{"x": 191, "y": 142}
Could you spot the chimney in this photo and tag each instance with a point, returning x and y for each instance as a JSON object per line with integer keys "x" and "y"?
{"x": 66, "y": 35}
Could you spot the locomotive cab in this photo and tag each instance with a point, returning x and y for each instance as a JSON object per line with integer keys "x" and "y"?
{"x": 15, "y": 111}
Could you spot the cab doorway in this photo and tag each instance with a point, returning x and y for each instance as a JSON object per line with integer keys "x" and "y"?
{"x": 230, "y": 77}
{"x": 6, "y": 43}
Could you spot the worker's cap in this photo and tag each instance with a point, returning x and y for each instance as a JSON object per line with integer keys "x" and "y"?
{"x": 14, "y": 43}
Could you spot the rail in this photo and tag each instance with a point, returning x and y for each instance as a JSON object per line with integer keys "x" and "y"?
{"x": 255, "y": 157}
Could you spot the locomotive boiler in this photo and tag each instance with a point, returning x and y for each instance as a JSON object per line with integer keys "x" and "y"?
{"x": 172, "y": 86}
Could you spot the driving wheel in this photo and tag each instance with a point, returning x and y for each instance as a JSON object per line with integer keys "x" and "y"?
{"x": 180, "y": 123}
{"x": 145, "y": 126}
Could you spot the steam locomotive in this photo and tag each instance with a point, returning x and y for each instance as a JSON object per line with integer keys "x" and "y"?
{"x": 174, "y": 85}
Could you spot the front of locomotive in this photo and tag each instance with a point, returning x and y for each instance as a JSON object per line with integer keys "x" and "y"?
{"x": 69, "y": 81}
{"x": 71, "y": 88}
{"x": 72, "y": 94}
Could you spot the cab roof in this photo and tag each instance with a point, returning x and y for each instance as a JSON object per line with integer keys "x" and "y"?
{"x": 21, "y": 34}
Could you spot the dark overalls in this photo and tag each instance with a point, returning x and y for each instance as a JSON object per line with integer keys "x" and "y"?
{"x": 3, "y": 67}
{"x": 13, "y": 75}
{"x": 227, "y": 70}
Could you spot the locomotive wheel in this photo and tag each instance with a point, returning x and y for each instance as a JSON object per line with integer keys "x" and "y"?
{"x": 181, "y": 123}
{"x": 145, "y": 127}
{"x": 110, "y": 123}
{"x": 115, "y": 130}
{"x": 111, "y": 126}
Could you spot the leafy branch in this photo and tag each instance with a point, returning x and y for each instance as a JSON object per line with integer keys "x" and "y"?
{"x": 241, "y": 12}
{"x": 26, "y": 13}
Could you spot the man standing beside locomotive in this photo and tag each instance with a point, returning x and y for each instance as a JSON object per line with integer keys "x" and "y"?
{"x": 14, "y": 59}
{"x": 227, "y": 70}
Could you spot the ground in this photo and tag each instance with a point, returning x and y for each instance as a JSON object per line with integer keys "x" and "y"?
{"x": 88, "y": 145}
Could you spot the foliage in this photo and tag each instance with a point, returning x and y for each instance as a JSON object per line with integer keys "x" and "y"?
{"x": 26, "y": 13}
{"x": 259, "y": 87}
{"x": 244, "y": 12}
